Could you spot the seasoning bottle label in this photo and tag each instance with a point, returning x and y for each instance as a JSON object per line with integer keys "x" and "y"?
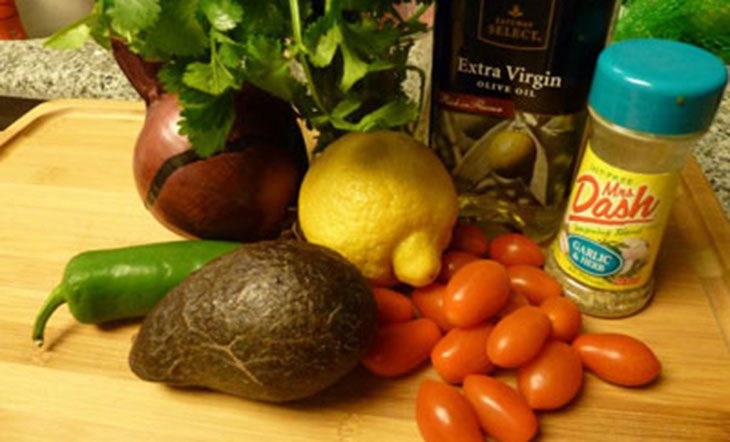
{"x": 613, "y": 225}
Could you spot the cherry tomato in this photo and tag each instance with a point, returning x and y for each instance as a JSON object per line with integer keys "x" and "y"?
{"x": 501, "y": 411}
{"x": 470, "y": 239}
{"x": 514, "y": 302}
{"x": 513, "y": 249}
{"x": 444, "y": 415}
{"x": 564, "y": 316}
{"x": 461, "y": 352}
{"x": 429, "y": 302}
{"x": 392, "y": 306}
{"x": 533, "y": 283}
{"x": 518, "y": 337}
{"x": 401, "y": 347}
{"x": 618, "y": 358}
{"x": 553, "y": 378}
{"x": 452, "y": 261}
{"x": 476, "y": 292}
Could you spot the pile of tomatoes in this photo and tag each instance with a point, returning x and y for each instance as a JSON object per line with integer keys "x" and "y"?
{"x": 487, "y": 314}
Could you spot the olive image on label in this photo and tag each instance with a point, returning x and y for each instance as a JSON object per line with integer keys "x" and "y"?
{"x": 512, "y": 154}
{"x": 509, "y": 162}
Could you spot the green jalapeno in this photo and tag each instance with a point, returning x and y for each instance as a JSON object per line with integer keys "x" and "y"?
{"x": 104, "y": 285}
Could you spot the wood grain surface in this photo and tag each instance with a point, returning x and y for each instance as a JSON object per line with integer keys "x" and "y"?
{"x": 66, "y": 186}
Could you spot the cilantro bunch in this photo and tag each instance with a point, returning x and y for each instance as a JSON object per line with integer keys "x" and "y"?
{"x": 341, "y": 63}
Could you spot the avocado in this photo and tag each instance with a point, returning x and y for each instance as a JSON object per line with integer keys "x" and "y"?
{"x": 272, "y": 321}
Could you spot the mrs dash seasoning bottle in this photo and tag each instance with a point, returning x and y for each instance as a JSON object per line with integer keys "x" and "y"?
{"x": 650, "y": 100}
{"x": 511, "y": 81}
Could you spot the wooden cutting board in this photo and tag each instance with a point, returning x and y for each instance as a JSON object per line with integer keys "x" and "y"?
{"x": 66, "y": 186}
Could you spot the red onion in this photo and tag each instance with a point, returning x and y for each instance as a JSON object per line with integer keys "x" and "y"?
{"x": 241, "y": 194}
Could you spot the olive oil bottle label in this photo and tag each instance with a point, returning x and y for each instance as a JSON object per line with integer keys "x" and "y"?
{"x": 613, "y": 225}
{"x": 511, "y": 81}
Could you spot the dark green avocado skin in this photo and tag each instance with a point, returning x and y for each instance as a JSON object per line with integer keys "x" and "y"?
{"x": 273, "y": 321}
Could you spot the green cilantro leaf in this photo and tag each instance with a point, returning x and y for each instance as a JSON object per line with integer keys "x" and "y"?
{"x": 338, "y": 117}
{"x": 223, "y": 15}
{"x": 131, "y": 16}
{"x": 394, "y": 114}
{"x": 354, "y": 68}
{"x": 72, "y": 36}
{"x": 264, "y": 18}
{"x": 346, "y": 107}
{"x": 207, "y": 120}
{"x": 231, "y": 55}
{"x": 267, "y": 67}
{"x": 341, "y": 63}
{"x": 322, "y": 39}
{"x": 212, "y": 78}
{"x": 381, "y": 65}
{"x": 171, "y": 77}
{"x": 178, "y": 32}
{"x": 370, "y": 38}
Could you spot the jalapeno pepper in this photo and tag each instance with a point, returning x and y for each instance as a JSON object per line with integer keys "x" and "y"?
{"x": 104, "y": 285}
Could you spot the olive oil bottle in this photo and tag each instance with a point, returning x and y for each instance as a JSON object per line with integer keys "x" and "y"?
{"x": 511, "y": 81}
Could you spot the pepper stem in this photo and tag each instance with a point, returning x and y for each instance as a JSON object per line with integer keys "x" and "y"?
{"x": 55, "y": 300}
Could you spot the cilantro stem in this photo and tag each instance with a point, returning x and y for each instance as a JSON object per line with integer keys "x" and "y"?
{"x": 419, "y": 12}
{"x": 301, "y": 53}
{"x": 296, "y": 21}
{"x": 422, "y": 8}
{"x": 395, "y": 13}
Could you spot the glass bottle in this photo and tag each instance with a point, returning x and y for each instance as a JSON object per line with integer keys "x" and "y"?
{"x": 650, "y": 101}
{"x": 510, "y": 88}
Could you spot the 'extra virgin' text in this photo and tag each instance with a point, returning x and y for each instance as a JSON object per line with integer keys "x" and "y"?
{"x": 516, "y": 74}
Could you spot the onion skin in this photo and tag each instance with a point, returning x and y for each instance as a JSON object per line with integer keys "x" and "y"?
{"x": 240, "y": 195}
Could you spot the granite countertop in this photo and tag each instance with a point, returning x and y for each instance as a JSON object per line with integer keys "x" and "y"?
{"x": 28, "y": 70}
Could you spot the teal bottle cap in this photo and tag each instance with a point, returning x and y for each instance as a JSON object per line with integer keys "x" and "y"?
{"x": 658, "y": 86}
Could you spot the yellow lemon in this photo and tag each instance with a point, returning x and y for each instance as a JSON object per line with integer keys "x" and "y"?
{"x": 385, "y": 202}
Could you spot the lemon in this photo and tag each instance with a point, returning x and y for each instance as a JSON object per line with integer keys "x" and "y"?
{"x": 385, "y": 202}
